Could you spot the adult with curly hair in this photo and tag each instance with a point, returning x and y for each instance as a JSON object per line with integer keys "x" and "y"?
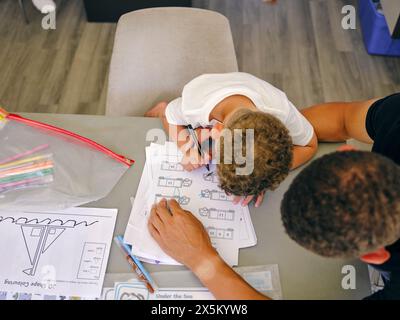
{"x": 347, "y": 204}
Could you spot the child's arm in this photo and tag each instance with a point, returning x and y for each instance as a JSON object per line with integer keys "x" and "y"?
{"x": 179, "y": 134}
{"x": 301, "y": 155}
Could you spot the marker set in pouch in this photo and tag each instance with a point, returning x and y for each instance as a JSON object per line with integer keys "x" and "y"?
{"x": 43, "y": 167}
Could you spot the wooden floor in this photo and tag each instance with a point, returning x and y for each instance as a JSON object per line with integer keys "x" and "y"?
{"x": 297, "y": 45}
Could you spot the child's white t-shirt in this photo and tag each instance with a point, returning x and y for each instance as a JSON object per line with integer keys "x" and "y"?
{"x": 202, "y": 94}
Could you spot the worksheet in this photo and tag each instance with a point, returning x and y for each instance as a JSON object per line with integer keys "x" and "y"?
{"x": 55, "y": 253}
{"x": 265, "y": 279}
{"x": 37, "y": 296}
{"x": 182, "y": 285}
{"x": 135, "y": 290}
{"x": 229, "y": 226}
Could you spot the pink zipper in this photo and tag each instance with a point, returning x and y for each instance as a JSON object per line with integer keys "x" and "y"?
{"x": 95, "y": 145}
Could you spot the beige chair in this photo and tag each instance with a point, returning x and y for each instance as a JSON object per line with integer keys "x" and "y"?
{"x": 157, "y": 51}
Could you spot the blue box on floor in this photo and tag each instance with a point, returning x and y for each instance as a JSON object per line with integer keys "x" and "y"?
{"x": 376, "y": 34}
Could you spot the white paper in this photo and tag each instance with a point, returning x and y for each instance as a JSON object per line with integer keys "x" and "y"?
{"x": 229, "y": 226}
{"x": 56, "y": 253}
{"x": 108, "y": 294}
{"x": 264, "y": 278}
{"x": 247, "y": 233}
{"x": 135, "y": 290}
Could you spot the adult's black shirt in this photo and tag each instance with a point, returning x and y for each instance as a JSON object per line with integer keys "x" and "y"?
{"x": 383, "y": 126}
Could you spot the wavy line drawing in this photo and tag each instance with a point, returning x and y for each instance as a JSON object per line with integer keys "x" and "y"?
{"x": 47, "y": 221}
{"x": 40, "y": 234}
{"x": 131, "y": 296}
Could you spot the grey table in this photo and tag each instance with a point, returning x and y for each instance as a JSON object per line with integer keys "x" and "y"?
{"x": 304, "y": 275}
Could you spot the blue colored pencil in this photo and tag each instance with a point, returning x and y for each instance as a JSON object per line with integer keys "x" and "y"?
{"x": 127, "y": 250}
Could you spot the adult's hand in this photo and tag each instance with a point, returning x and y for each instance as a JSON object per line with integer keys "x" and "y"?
{"x": 180, "y": 234}
{"x": 184, "y": 238}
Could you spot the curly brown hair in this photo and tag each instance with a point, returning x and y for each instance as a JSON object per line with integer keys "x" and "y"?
{"x": 272, "y": 156}
{"x": 344, "y": 204}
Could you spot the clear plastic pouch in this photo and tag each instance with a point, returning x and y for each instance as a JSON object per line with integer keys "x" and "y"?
{"x": 43, "y": 167}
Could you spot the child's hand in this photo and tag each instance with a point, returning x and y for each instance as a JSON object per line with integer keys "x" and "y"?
{"x": 246, "y": 200}
{"x": 192, "y": 160}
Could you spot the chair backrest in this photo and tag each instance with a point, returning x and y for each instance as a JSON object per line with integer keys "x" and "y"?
{"x": 157, "y": 51}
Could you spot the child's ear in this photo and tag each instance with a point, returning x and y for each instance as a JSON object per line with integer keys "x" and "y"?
{"x": 346, "y": 147}
{"x": 379, "y": 256}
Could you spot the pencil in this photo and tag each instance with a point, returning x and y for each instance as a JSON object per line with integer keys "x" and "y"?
{"x": 26, "y": 182}
{"x": 24, "y": 161}
{"x": 135, "y": 264}
{"x": 23, "y": 176}
{"x": 24, "y": 154}
{"x": 197, "y": 142}
{"x": 26, "y": 169}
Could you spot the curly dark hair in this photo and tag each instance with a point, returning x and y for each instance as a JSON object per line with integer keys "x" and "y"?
{"x": 272, "y": 156}
{"x": 344, "y": 204}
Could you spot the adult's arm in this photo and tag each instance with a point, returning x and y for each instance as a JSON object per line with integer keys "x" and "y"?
{"x": 182, "y": 236}
{"x": 340, "y": 121}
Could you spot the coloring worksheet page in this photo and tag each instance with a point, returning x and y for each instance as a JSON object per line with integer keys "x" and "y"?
{"x": 63, "y": 252}
{"x": 228, "y": 225}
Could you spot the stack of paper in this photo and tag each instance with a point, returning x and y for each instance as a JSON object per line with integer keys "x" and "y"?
{"x": 229, "y": 226}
